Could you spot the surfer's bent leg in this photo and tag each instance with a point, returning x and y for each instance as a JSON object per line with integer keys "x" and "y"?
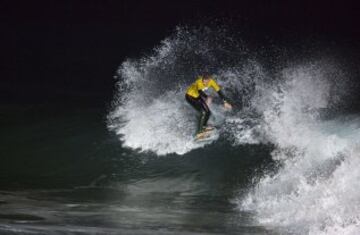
{"x": 194, "y": 102}
{"x": 200, "y": 105}
{"x": 205, "y": 113}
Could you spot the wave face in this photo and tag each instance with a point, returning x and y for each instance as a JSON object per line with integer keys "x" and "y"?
{"x": 314, "y": 186}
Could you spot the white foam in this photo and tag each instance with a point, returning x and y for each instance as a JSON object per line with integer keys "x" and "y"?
{"x": 161, "y": 126}
{"x": 316, "y": 191}
{"x": 150, "y": 112}
{"x": 316, "y": 188}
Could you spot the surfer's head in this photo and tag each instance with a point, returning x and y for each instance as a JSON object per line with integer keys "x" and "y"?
{"x": 206, "y": 78}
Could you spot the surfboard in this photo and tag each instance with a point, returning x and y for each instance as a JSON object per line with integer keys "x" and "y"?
{"x": 206, "y": 135}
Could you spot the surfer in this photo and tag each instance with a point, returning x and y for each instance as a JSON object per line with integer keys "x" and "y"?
{"x": 199, "y": 100}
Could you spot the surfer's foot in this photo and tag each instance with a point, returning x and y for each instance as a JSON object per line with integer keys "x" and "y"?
{"x": 208, "y": 128}
{"x": 201, "y": 132}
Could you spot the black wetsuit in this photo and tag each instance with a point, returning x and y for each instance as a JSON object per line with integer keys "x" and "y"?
{"x": 200, "y": 105}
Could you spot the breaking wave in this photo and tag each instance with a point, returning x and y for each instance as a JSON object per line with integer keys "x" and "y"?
{"x": 315, "y": 186}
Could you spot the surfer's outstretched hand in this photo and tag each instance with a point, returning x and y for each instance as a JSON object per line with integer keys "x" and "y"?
{"x": 227, "y": 106}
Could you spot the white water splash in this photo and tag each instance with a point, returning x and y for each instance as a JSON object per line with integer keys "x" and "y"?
{"x": 316, "y": 191}
{"x": 151, "y": 114}
{"x": 316, "y": 188}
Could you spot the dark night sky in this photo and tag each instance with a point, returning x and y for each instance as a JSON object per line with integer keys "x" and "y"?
{"x": 72, "y": 48}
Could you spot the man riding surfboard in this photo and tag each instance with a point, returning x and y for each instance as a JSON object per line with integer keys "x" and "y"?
{"x": 200, "y": 101}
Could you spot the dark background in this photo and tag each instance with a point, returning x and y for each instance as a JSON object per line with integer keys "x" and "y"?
{"x": 59, "y": 50}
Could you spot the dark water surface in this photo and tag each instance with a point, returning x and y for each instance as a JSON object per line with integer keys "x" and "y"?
{"x": 63, "y": 172}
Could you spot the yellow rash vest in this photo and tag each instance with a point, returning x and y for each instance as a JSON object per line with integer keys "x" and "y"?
{"x": 193, "y": 90}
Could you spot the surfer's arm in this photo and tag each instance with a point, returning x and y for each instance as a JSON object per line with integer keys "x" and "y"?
{"x": 217, "y": 88}
{"x": 227, "y": 105}
{"x": 222, "y": 96}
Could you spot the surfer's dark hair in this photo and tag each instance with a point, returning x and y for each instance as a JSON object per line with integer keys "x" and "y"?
{"x": 206, "y": 75}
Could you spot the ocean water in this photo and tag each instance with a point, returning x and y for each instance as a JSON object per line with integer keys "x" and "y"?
{"x": 64, "y": 172}
{"x": 285, "y": 160}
